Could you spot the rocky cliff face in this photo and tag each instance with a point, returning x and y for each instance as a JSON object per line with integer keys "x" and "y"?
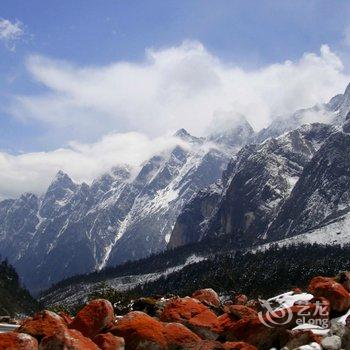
{"x": 256, "y": 199}
{"x": 255, "y": 185}
{"x": 180, "y": 196}
{"x": 322, "y": 193}
{"x": 77, "y": 228}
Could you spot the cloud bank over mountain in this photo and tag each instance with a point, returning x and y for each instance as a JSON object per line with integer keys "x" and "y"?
{"x": 33, "y": 172}
{"x": 175, "y": 87}
{"x": 124, "y": 109}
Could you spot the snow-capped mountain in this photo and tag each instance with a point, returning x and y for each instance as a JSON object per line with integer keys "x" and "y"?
{"x": 293, "y": 179}
{"x": 257, "y": 181}
{"x": 199, "y": 188}
{"x": 334, "y": 112}
{"x": 77, "y": 228}
{"x": 322, "y": 195}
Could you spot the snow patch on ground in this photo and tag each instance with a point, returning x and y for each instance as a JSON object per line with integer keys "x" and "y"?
{"x": 313, "y": 328}
{"x": 79, "y": 293}
{"x": 336, "y": 232}
{"x": 342, "y": 319}
{"x": 289, "y": 299}
{"x": 312, "y": 346}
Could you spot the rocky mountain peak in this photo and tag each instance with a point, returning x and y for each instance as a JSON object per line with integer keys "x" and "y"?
{"x": 126, "y": 213}
{"x": 347, "y": 92}
{"x": 28, "y": 197}
{"x": 231, "y": 132}
{"x": 60, "y": 190}
{"x": 61, "y": 180}
{"x": 121, "y": 172}
{"x": 335, "y": 102}
{"x": 184, "y": 135}
{"x": 341, "y": 106}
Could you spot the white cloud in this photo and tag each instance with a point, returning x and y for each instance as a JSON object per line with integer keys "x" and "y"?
{"x": 10, "y": 32}
{"x": 33, "y": 172}
{"x": 174, "y": 87}
{"x": 182, "y": 86}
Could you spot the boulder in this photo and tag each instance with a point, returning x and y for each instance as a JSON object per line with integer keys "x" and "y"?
{"x": 240, "y": 311}
{"x": 240, "y": 299}
{"x": 43, "y": 324}
{"x": 215, "y": 345}
{"x": 238, "y": 346}
{"x": 207, "y": 297}
{"x": 254, "y": 332}
{"x": 108, "y": 341}
{"x": 344, "y": 279}
{"x": 233, "y": 314}
{"x": 148, "y": 305}
{"x": 339, "y": 329}
{"x": 140, "y": 331}
{"x": 96, "y": 316}
{"x": 178, "y": 336}
{"x": 70, "y": 339}
{"x": 337, "y": 295}
{"x": 194, "y": 315}
{"x": 253, "y": 304}
{"x": 67, "y": 319}
{"x": 301, "y": 337}
{"x": 226, "y": 322}
{"x": 207, "y": 345}
{"x": 343, "y": 332}
{"x": 331, "y": 343}
{"x": 18, "y": 341}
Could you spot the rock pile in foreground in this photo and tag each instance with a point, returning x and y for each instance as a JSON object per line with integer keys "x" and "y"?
{"x": 200, "y": 322}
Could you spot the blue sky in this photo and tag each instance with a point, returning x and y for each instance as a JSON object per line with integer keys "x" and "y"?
{"x": 87, "y": 32}
{"x": 98, "y": 32}
{"x": 66, "y": 47}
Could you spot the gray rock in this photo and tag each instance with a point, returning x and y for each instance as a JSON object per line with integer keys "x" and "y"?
{"x": 332, "y": 343}
{"x": 257, "y": 182}
{"x": 322, "y": 193}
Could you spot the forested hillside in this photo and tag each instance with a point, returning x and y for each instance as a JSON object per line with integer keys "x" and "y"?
{"x": 14, "y": 299}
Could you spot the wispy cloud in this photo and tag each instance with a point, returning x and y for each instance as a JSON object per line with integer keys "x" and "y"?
{"x": 182, "y": 86}
{"x": 174, "y": 87}
{"x": 32, "y": 172}
{"x": 10, "y": 32}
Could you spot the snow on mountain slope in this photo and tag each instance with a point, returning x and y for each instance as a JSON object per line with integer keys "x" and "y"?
{"x": 128, "y": 214}
{"x": 334, "y": 112}
{"x": 78, "y": 293}
{"x": 154, "y": 212}
{"x": 123, "y": 215}
{"x": 335, "y": 232}
{"x": 322, "y": 192}
{"x": 255, "y": 184}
